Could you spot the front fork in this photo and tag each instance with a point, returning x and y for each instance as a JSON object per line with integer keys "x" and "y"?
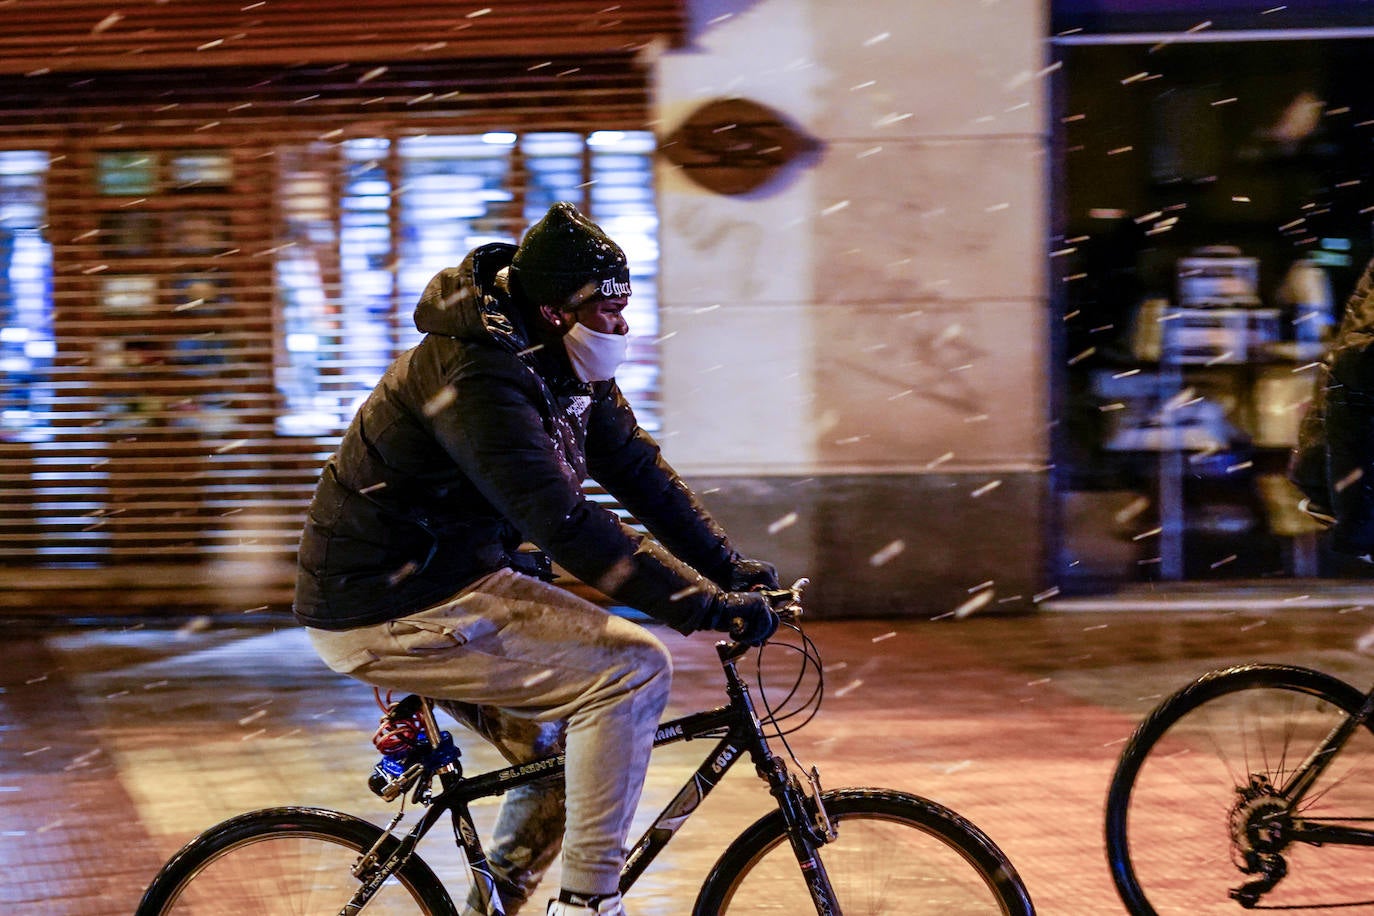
{"x": 809, "y": 828}
{"x": 802, "y": 806}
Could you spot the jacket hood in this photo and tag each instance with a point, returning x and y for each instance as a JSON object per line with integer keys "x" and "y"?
{"x": 467, "y": 303}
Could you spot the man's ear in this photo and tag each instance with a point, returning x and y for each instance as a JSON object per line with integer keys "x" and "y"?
{"x": 552, "y": 315}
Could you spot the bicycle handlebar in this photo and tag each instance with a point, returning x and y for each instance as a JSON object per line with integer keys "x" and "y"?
{"x": 787, "y": 601}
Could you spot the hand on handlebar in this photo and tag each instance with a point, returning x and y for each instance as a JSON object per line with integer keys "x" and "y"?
{"x": 751, "y": 618}
{"x": 748, "y": 617}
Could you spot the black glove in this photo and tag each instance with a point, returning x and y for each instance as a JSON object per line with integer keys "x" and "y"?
{"x": 747, "y": 616}
{"x": 746, "y": 574}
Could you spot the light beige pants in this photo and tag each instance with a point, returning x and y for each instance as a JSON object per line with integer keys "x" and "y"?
{"x": 529, "y": 665}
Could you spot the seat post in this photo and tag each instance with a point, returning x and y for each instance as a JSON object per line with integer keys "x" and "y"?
{"x": 432, "y": 730}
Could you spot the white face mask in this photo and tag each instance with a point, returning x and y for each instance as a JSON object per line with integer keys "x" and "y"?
{"x": 595, "y": 356}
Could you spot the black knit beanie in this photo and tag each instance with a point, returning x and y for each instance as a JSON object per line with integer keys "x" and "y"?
{"x": 566, "y": 260}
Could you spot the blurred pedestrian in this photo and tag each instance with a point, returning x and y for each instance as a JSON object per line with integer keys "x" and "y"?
{"x": 1333, "y": 464}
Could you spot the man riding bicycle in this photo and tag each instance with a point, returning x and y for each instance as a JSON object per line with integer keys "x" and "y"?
{"x": 474, "y": 442}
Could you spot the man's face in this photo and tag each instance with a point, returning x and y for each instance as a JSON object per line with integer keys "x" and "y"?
{"x": 604, "y": 315}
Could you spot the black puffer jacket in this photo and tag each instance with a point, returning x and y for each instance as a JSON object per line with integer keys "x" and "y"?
{"x": 1334, "y": 461}
{"x": 474, "y": 442}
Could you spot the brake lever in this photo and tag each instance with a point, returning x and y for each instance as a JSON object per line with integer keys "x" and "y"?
{"x": 787, "y": 601}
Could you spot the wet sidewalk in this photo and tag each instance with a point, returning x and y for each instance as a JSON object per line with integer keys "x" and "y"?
{"x": 118, "y": 744}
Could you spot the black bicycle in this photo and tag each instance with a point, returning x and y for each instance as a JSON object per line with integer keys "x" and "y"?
{"x": 845, "y": 851}
{"x": 1250, "y": 788}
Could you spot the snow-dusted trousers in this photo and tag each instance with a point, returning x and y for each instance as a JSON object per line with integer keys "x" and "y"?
{"x": 530, "y": 665}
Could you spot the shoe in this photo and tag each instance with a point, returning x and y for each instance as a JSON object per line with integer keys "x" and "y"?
{"x": 569, "y": 904}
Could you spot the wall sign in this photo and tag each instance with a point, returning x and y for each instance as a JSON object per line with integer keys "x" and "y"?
{"x": 733, "y": 146}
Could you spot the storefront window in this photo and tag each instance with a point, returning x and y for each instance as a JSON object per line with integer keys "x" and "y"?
{"x": 26, "y": 340}
{"x": 406, "y": 208}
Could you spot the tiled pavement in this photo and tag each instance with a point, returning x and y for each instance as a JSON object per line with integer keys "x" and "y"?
{"x": 117, "y": 744}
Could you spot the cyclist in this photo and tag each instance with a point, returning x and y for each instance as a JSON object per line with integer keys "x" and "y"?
{"x": 475, "y": 442}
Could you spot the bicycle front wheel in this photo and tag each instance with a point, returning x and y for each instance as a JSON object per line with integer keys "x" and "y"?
{"x": 1194, "y": 814}
{"x": 895, "y": 853}
{"x": 284, "y": 862}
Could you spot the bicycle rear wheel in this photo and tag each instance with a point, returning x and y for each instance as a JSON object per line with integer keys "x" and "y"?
{"x": 895, "y": 853}
{"x": 284, "y": 861}
{"x": 1205, "y": 765}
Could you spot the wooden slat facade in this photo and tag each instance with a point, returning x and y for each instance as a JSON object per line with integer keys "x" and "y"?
{"x": 40, "y": 36}
{"x": 200, "y": 481}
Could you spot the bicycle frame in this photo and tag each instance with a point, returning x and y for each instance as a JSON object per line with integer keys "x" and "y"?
{"x": 1306, "y": 775}
{"x": 740, "y": 734}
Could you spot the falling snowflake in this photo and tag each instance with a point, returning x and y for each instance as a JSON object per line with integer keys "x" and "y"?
{"x": 976, "y": 603}
{"x": 786, "y": 521}
{"x": 887, "y": 553}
